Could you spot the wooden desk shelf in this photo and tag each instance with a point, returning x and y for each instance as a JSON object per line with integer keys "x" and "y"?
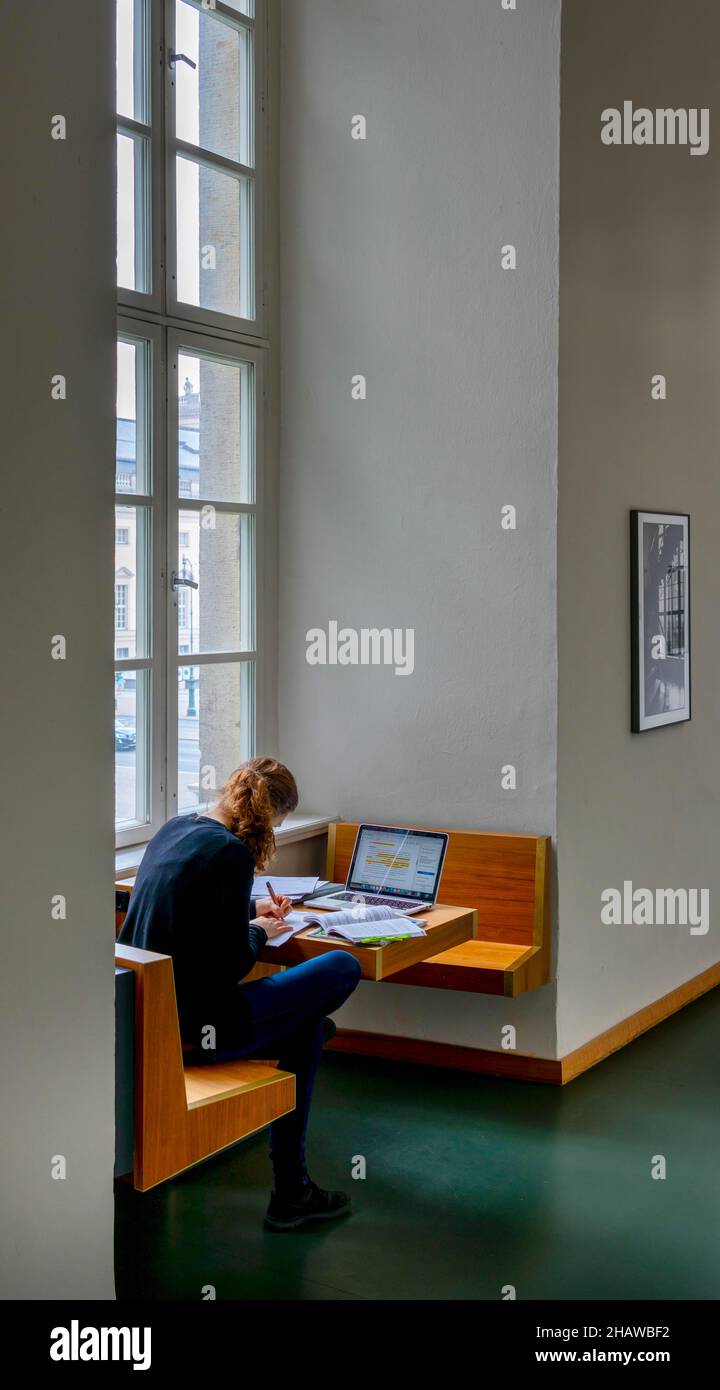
{"x": 445, "y": 927}
{"x": 505, "y": 880}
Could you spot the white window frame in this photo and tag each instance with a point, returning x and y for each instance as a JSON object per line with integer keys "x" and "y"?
{"x": 167, "y": 325}
{"x": 179, "y": 309}
{"x": 184, "y": 342}
{"x": 152, "y": 773}
{"x": 148, "y": 16}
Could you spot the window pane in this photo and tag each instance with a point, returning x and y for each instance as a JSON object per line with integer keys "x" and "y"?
{"x": 214, "y": 240}
{"x": 132, "y": 67}
{"x": 132, "y": 748}
{"x": 217, "y": 616}
{"x": 132, "y": 588}
{"x": 216, "y": 434}
{"x": 245, "y": 7}
{"x": 215, "y": 728}
{"x": 132, "y": 204}
{"x": 213, "y": 101}
{"x": 133, "y": 439}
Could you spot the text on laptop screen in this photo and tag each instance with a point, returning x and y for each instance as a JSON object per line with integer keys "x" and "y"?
{"x": 397, "y": 861}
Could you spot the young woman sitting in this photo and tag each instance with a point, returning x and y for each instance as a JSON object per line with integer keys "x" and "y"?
{"x": 192, "y": 901}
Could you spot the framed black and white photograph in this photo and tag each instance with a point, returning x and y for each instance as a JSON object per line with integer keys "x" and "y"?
{"x": 660, "y": 616}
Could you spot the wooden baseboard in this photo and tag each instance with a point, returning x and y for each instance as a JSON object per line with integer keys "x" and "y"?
{"x": 574, "y": 1063}
{"x": 522, "y": 1067}
{"x": 435, "y": 1054}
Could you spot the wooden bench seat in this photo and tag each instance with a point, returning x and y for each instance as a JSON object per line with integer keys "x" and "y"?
{"x": 506, "y": 879}
{"x": 206, "y": 1085}
{"x": 185, "y": 1114}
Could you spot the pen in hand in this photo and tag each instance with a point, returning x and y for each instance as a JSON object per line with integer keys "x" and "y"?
{"x": 278, "y": 903}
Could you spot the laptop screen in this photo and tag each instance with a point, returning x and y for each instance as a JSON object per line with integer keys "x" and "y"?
{"x": 397, "y": 863}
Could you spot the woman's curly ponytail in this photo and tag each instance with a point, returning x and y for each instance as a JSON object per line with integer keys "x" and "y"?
{"x": 256, "y": 792}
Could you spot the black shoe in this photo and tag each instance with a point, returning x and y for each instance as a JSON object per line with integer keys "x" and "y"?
{"x": 329, "y": 1030}
{"x": 315, "y": 1204}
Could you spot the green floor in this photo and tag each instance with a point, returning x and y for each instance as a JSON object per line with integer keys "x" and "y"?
{"x": 472, "y": 1184}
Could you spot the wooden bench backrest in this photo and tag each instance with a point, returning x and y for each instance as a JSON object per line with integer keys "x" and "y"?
{"x": 183, "y": 1116}
{"x": 159, "y": 1075}
{"x": 504, "y": 877}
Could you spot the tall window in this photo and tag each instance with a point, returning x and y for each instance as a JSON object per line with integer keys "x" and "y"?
{"x": 121, "y": 607}
{"x": 191, "y": 354}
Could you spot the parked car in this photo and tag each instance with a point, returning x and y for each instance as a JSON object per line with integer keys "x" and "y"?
{"x": 124, "y": 736}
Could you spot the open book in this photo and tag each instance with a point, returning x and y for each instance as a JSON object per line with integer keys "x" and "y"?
{"x": 357, "y": 924}
{"x": 367, "y": 924}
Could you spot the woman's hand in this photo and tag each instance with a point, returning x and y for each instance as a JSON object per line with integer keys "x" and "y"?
{"x": 273, "y": 926}
{"x": 265, "y": 907}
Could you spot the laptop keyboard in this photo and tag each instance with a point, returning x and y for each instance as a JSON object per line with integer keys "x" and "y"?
{"x": 402, "y": 904}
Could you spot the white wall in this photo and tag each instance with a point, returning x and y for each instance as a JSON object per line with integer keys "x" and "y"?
{"x": 390, "y": 508}
{"x": 56, "y": 502}
{"x": 640, "y": 270}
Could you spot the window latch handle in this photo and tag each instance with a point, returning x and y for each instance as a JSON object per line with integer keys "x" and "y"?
{"x": 174, "y": 58}
{"x": 180, "y": 582}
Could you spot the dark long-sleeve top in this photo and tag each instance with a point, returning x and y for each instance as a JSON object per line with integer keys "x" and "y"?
{"x": 191, "y": 901}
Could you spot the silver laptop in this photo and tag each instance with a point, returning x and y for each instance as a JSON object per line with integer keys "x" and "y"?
{"x": 392, "y": 868}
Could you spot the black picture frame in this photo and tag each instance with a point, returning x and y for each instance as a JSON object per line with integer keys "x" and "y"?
{"x": 660, "y": 616}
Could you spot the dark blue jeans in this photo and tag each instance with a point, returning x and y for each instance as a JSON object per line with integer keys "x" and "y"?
{"x": 288, "y": 1010}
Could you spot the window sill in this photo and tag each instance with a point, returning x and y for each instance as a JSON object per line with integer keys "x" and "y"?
{"x": 296, "y": 827}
